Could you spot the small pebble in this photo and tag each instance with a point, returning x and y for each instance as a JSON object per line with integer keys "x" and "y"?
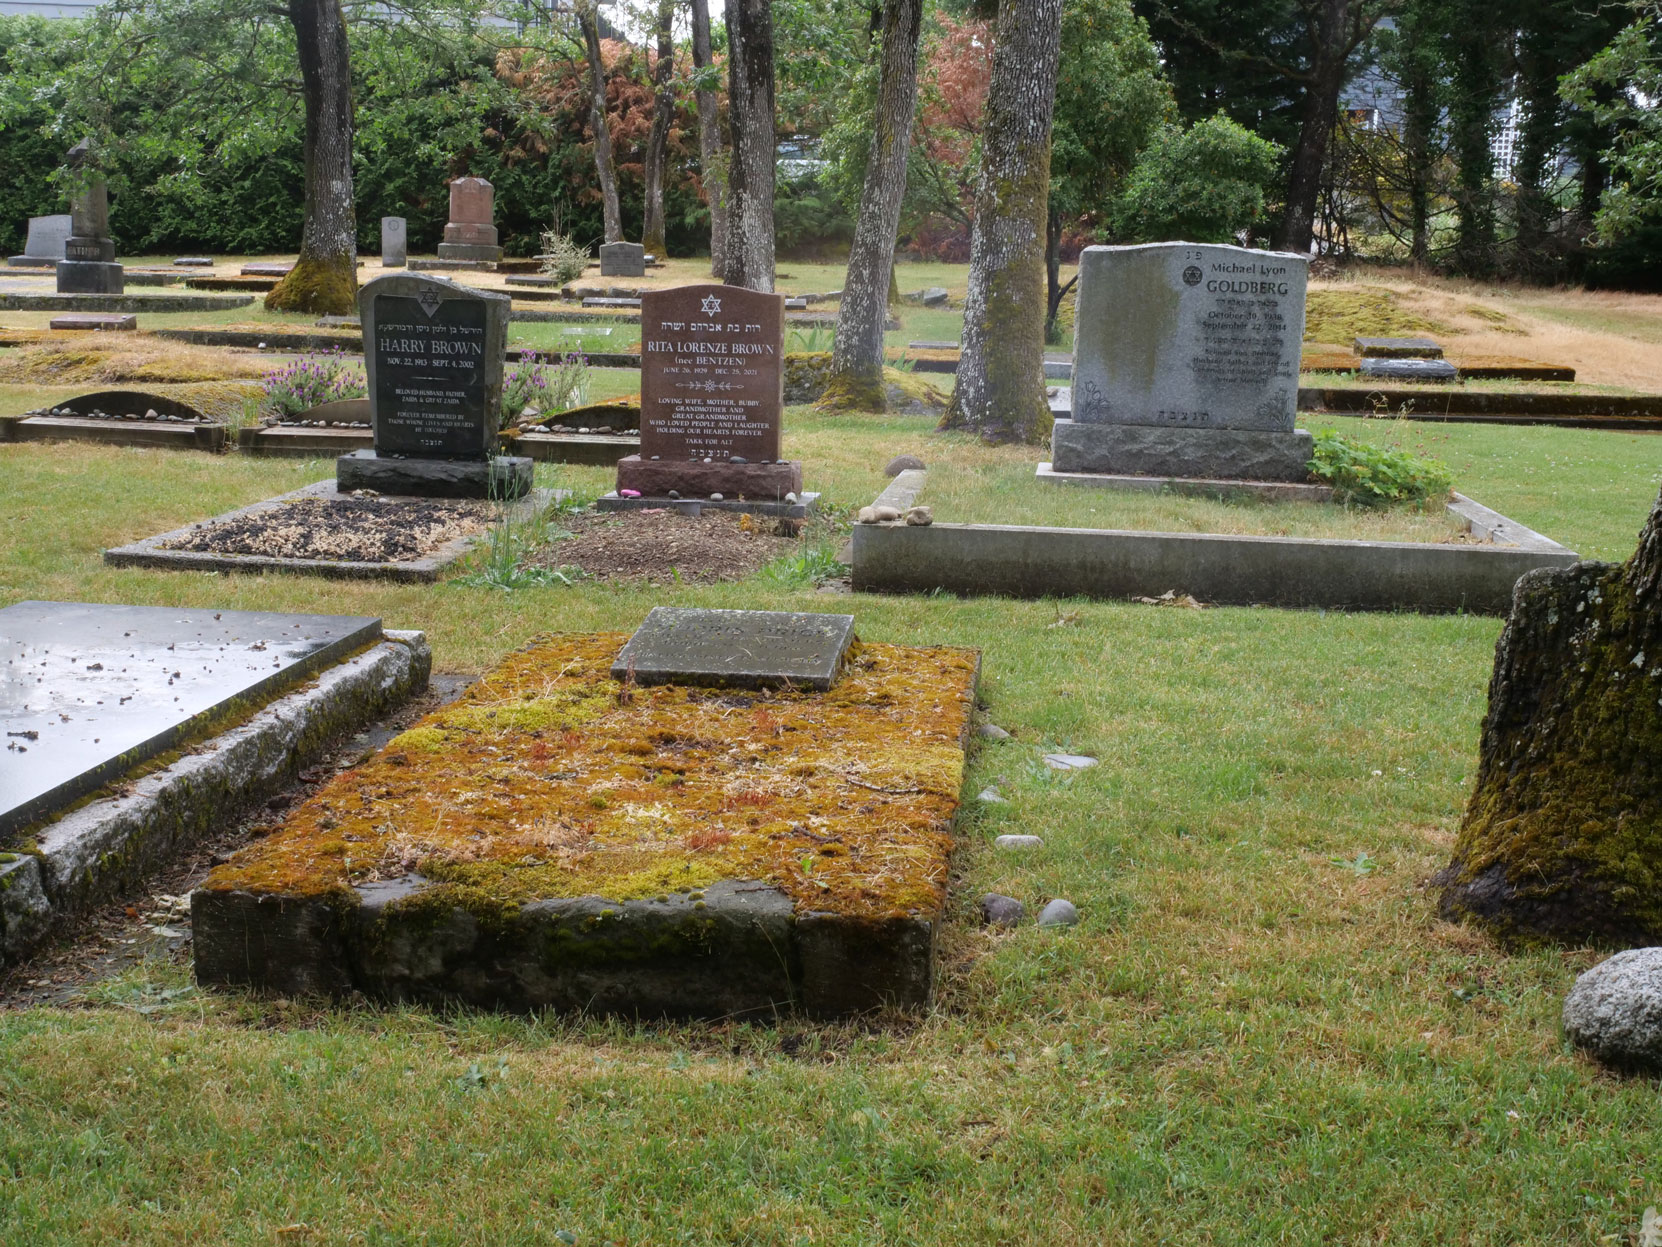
{"x": 675, "y": 493}
{"x": 737, "y": 459}
{"x": 708, "y": 459}
{"x": 629, "y": 493}
{"x": 903, "y": 463}
{"x": 920, "y": 517}
{"x": 791, "y": 497}
{"x": 1058, "y": 913}
{"x": 1001, "y": 911}
{"x": 657, "y": 456}
{"x": 715, "y": 498}
{"x": 1018, "y": 842}
{"x": 1068, "y": 761}
{"x": 992, "y": 731}
{"x": 991, "y": 797}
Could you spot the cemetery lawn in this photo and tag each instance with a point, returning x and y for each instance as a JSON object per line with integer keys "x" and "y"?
{"x": 1259, "y": 1033}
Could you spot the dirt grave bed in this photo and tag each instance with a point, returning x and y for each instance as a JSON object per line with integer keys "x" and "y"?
{"x": 663, "y": 545}
{"x": 370, "y": 530}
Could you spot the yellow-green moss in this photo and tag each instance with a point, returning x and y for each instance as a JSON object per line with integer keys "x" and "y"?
{"x": 1341, "y": 316}
{"x": 550, "y": 779}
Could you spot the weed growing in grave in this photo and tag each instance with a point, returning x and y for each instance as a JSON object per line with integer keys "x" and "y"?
{"x": 1377, "y": 476}
{"x": 811, "y": 341}
{"x": 563, "y": 258}
{"x": 309, "y": 382}
{"x": 811, "y": 566}
{"x": 537, "y": 385}
{"x": 510, "y": 539}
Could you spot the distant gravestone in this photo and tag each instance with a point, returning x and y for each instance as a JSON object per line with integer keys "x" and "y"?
{"x": 395, "y": 242}
{"x": 44, "y": 247}
{"x": 1186, "y": 360}
{"x": 194, "y": 261}
{"x": 736, "y": 648}
{"x": 1398, "y": 348}
{"x": 470, "y": 234}
{"x": 622, "y": 259}
{"x": 89, "y": 266}
{"x": 94, "y": 320}
{"x": 1408, "y": 369}
{"x": 433, "y": 355}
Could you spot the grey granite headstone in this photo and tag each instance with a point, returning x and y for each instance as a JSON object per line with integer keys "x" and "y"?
{"x": 45, "y": 244}
{"x": 622, "y": 259}
{"x": 1409, "y": 369}
{"x": 395, "y": 242}
{"x": 433, "y": 355}
{"x": 1398, "y": 348}
{"x": 88, "y": 692}
{"x": 737, "y": 649}
{"x": 89, "y": 266}
{"x": 1173, "y": 341}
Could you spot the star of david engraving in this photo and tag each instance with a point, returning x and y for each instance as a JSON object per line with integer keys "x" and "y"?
{"x": 712, "y": 305}
{"x": 429, "y": 300}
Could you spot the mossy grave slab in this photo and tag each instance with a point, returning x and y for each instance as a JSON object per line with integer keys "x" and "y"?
{"x": 558, "y": 838}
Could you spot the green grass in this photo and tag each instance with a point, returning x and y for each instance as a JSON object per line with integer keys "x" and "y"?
{"x": 1242, "y": 1043}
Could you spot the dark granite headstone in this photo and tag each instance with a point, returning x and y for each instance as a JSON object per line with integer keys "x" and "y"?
{"x": 622, "y": 259}
{"x": 1409, "y": 369}
{"x": 88, "y": 692}
{"x": 88, "y": 266}
{"x": 737, "y": 649}
{"x": 433, "y": 355}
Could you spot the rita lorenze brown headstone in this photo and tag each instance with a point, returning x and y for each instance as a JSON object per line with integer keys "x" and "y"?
{"x": 712, "y": 402}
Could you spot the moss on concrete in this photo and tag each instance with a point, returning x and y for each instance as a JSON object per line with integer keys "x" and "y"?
{"x": 318, "y": 287}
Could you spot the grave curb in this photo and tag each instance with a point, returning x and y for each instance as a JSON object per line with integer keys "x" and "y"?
{"x": 112, "y": 843}
{"x": 19, "y": 302}
{"x": 205, "y": 435}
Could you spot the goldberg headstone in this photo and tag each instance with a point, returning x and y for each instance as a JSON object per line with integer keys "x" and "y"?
{"x": 1185, "y": 364}
{"x": 45, "y": 244}
{"x": 712, "y": 397}
{"x": 88, "y": 266}
{"x": 395, "y": 242}
{"x": 433, "y": 354}
{"x": 622, "y": 259}
{"x": 736, "y": 649}
{"x": 470, "y": 235}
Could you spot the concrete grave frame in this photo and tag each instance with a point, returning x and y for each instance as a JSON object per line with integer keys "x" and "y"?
{"x": 1300, "y": 572}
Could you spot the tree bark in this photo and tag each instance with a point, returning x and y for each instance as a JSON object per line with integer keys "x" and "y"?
{"x": 657, "y": 139}
{"x": 711, "y": 159}
{"x": 1480, "y": 41}
{"x": 1332, "y": 40}
{"x": 857, "y": 351}
{"x": 1000, "y": 391}
{"x": 605, "y": 170}
{"x": 324, "y": 280}
{"x": 753, "y": 141}
{"x": 1055, "y": 289}
{"x": 1562, "y": 838}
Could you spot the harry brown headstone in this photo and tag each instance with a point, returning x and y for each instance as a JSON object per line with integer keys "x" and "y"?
{"x": 433, "y": 354}
{"x": 1185, "y": 364}
{"x": 712, "y": 397}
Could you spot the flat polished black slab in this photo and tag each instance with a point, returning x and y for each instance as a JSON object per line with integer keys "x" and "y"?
{"x": 88, "y": 692}
{"x": 736, "y": 649}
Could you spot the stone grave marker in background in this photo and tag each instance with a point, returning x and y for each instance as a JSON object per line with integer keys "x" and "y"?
{"x": 712, "y": 404}
{"x": 1185, "y": 364}
{"x": 622, "y": 259}
{"x": 89, "y": 266}
{"x": 433, "y": 355}
{"x": 45, "y": 244}
{"x": 736, "y": 649}
{"x": 395, "y": 242}
{"x": 470, "y": 234}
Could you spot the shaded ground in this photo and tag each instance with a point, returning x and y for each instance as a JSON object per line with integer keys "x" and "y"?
{"x": 663, "y": 545}
{"x": 370, "y": 530}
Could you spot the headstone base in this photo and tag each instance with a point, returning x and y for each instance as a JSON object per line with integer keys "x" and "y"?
{"x": 469, "y": 251}
{"x": 30, "y": 261}
{"x": 90, "y": 277}
{"x": 502, "y": 476}
{"x": 754, "y": 481}
{"x": 804, "y": 506}
{"x": 1163, "y": 450}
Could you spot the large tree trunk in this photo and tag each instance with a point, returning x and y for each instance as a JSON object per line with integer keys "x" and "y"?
{"x": 1419, "y": 125}
{"x": 712, "y": 160}
{"x": 1332, "y": 40}
{"x": 657, "y": 140}
{"x": 857, "y": 352}
{"x": 1562, "y": 839}
{"x": 749, "y": 258}
{"x": 324, "y": 280}
{"x": 1480, "y": 44}
{"x": 604, "y": 168}
{"x": 1000, "y": 390}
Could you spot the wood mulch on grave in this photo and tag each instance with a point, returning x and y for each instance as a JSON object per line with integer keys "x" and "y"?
{"x": 369, "y": 530}
{"x": 661, "y": 545}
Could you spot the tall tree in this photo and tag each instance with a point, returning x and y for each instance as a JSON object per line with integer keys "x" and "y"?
{"x": 657, "y": 139}
{"x": 588, "y": 18}
{"x": 857, "y": 351}
{"x": 1479, "y": 54}
{"x": 748, "y": 260}
{"x": 712, "y": 160}
{"x": 324, "y": 280}
{"x": 1000, "y": 391}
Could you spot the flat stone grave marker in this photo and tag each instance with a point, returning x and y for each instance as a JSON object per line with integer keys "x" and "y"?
{"x": 194, "y": 261}
{"x": 44, "y": 247}
{"x": 266, "y": 269}
{"x": 94, "y": 320}
{"x": 1398, "y": 369}
{"x": 90, "y": 691}
{"x": 736, "y": 648}
{"x": 1398, "y": 348}
{"x": 599, "y": 331}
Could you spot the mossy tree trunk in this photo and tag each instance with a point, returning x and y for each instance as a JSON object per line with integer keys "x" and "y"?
{"x": 605, "y": 169}
{"x": 1562, "y": 839}
{"x": 657, "y": 139}
{"x": 1000, "y": 391}
{"x": 712, "y": 160}
{"x": 748, "y": 261}
{"x": 324, "y": 280}
{"x": 857, "y": 352}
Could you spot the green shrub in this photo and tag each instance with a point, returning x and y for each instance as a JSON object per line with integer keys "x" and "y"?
{"x": 1203, "y": 184}
{"x": 563, "y": 258}
{"x": 1377, "y": 476}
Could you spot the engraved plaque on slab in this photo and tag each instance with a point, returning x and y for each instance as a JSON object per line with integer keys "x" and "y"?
{"x": 712, "y": 373}
{"x": 433, "y": 352}
{"x": 737, "y": 649}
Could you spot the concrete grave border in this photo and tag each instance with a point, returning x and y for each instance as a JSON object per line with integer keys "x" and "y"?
{"x": 149, "y": 552}
{"x": 1029, "y": 561}
{"x": 111, "y": 843}
{"x": 17, "y": 302}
